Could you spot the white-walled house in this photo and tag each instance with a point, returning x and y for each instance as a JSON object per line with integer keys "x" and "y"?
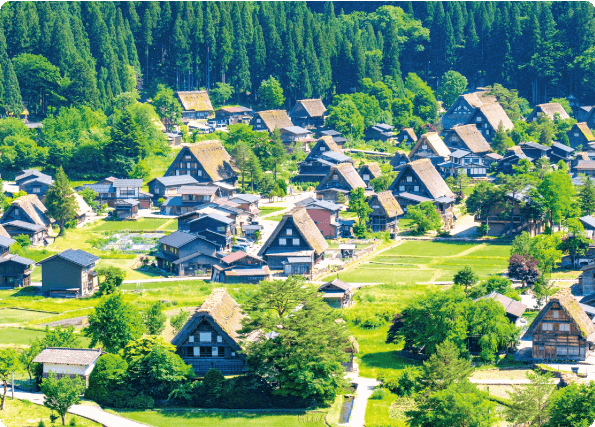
{"x": 69, "y": 361}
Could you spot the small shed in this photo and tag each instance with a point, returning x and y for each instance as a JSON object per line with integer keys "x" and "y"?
{"x": 337, "y": 293}
{"x": 126, "y": 209}
{"x": 70, "y": 362}
{"x": 347, "y": 250}
{"x": 514, "y": 309}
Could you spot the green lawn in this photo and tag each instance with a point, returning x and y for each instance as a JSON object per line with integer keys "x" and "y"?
{"x": 21, "y": 336}
{"x": 142, "y": 224}
{"x": 429, "y": 248}
{"x": 229, "y": 418}
{"x": 22, "y": 413}
{"x": 378, "y": 412}
{"x": 277, "y": 218}
{"x": 269, "y": 210}
{"x": 10, "y": 315}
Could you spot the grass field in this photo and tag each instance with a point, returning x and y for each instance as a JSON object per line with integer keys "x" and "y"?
{"x": 22, "y": 413}
{"x": 378, "y": 412}
{"x": 419, "y": 261}
{"x": 142, "y": 224}
{"x": 10, "y": 315}
{"x": 269, "y": 210}
{"x": 230, "y": 418}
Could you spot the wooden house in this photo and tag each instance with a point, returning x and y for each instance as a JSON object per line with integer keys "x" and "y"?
{"x": 430, "y": 146}
{"x": 15, "y": 271}
{"x": 211, "y": 339}
{"x": 196, "y": 104}
{"x": 126, "y": 209}
{"x": 189, "y": 198}
{"x": 110, "y": 190}
{"x": 326, "y": 217}
{"x": 463, "y": 161}
{"x": 400, "y": 158}
{"x": 308, "y": 113}
{"x": 185, "y": 254}
{"x": 550, "y": 110}
{"x": 406, "y": 136}
{"x": 586, "y": 167}
{"x": 337, "y": 293}
{"x": 32, "y": 181}
{"x": 247, "y": 202}
{"x": 588, "y": 222}
{"x": 511, "y": 159}
{"x": 166, "y": 186}
{"x": 295, "y": 245}
{"x": 369, "y": 171}
{"x": 580, "y": 134}
{"x": 463, "y": 108}
{"x": 385, "y": 213}
{"x": 335, "y": 135}
{"x": 206, "y": 161}
{"x": 534, "y": 150}
{"x": 240, "y": 267}
{"x": 233, "y": 115}
{"x": 269, "y": 120}
{"x": 468, "y": 138}
{"x": 514, "y": 309}
{"x": 216, "y": 228}
{"x": 488, "y": 118}
{"x": 342, "y": 178}
{"x": 419, "y": 181}
{"x": 590, "y": 118}
{"x": 318, "y": 162}
{"x": 71, "y": 362}
{"x": 380, "y": 132}
{"x": 559, "y": 152}
{"x": 27, "y": 215}
{"x": 291, "y": 134}
{"x": 562, "y": 330}
{"x": 70, "y": 273}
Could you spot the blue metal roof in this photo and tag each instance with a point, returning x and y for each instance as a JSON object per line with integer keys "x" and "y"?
{"x": 6, "y": 241}
{"x": 76, "y": 256}
{"x": 176, "y": 180}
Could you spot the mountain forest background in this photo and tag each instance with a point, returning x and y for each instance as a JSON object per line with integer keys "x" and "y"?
{"x": 55, "y": 54}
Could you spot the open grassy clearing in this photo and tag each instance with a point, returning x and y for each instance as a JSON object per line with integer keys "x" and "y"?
{"x": 230, "y": 418}
{"x": 378, "y": 413}
{"x": 10, "y": 315}
{"x": 270, "y": 210}
{"x": 141, "y": 224}
{"x": 22, "y": 413}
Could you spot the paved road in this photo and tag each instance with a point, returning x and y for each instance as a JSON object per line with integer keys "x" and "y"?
{"x": 506, "y": 382}
{"x": 365, "y": 386}
{"x": 93, "y": 413}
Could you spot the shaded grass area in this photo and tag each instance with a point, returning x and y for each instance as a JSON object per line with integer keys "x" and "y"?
{"x": 229, "y": 418}
{"x": 378, "y": 412}
{"x": 21, "y": 413}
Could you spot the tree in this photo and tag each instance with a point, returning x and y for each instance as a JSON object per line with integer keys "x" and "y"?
{"x": 483, "y": 199}
{"x": 143, "y": 346}
{"x": 155, "y": 319}
{"x": 110, "y": 278}
{"x": 108, "y": 374}
{"x": 29, "y": 353}
{"x": 557, "y": 196}
{"x": 529, "y": 403}
{"x": 179, "y": 320}
{"x": 114, "y": 323}
{"x": 453, "y": 85}
{"x": 61, "y": 394}
{"x": 303, "y": 322}
{"x": 60, "y": 200}
{"x": 461, "y": 404}
{"x": 572, "y": 406}
{"x": 586, "y": 195}
{"x": 167, "y": 106}
{"x": 271, "y": 94}
{"x": 444, "y": 368}
{"x": 523, "y": 268}
{"x": 359, "y": 205}
{"x": 346, "y": 118}
{"x": 512, "y": 186}
{"x": 141, "y": 171}
{"x": 458, "y": 182}
{"x": 125, "y": 146}
{"x": 501, "y": 141}
{"x": 466, "y": 277}
{"x": 9, "y": 363}
{"x": 241, "y": 153}
{"x": 89, "y": 196}
{"x": 425, "y": 217}
{"x": 575, "y": 242}
{"x": 60, "y": 337}
{"x": 277, "y": 151}
{"x": 221, "y": 93}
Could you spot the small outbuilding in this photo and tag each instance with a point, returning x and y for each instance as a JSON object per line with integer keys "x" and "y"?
{"x": 514, "y": 309}
{"x": 69, "y": 274}
{"x": 71, "y": 362}
{"x": 126, "y": 209}
{"x": 337, "y": 293}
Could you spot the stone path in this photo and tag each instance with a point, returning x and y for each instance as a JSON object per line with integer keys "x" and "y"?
{"x": 93, "y": 413}
{"x": 365, "y": 386}
{"x": 506, "y": 382}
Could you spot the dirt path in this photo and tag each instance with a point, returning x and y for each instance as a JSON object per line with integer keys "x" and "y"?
{"x": 365, "y": 386}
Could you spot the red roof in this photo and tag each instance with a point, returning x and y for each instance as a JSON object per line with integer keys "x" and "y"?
{"x": 234, "y": 257}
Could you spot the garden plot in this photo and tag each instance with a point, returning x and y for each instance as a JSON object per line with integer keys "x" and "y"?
{"x": 132, "y": 242}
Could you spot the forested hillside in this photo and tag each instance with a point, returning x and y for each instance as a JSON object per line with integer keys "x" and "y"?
{"x": 55, "y": 54}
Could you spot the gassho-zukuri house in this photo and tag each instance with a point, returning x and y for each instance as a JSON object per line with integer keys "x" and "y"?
{"x": 210, "y": 339}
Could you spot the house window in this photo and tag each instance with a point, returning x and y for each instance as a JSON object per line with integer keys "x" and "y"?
{"x": 478, "y": 119}
{"x": 221, "y": 229}
{"x": 335, "y": 178}
{"x": 156, "y": 190}
{"x": 547, "y": 326}
{"x": 555, "y": 313}
{"x": 562, "y": 350}
{"x": 573, "y": 350}
{"x": 206, "y": 351}
{"x": 36, "y": 189}
{"x": 199, "y": 173}
{"x": 576, "y": 134}
{"x": 322, "y": 148}
{"x": 416, "y": 188}
{"x": 219, "y": 338}
{"x": 205, "y": 337}
{"x": 187, "y": 158}
{"x": 282, "y": 242}
{"x": 17, "y": 212}
{"x": 409, "y": 179}
{"x": 191, "y": 338}
{"x": 288, "y": 231}
{"x": 233, "y": 353}
{"x": 296, "y": 242}
{"x": 366, "y": 177}
{"x": 257, "y": 120}
{"x": 196, "y": 351}
{"x": 215, "y": 351}
{"x": 424, "y": 147}
{"x": 205, "y": 197}
{"x": 401, "y": 188}
{"x": 564, "y": 327}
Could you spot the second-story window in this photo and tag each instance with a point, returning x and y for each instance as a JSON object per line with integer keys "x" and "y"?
{"x": 282, "y": 242}
{"x": 296, "y": 242}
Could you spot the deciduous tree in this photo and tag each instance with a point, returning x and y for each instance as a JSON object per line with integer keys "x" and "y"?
{"x": 425, "y": 217}
{"x": 61, "y": 394}
{"x": 359, "y": 206}
{"x": 9, "y": 363}
{"x": 167, "y": 106}
{"x": 529, "y": 402}
{"x": 155, "y": 319}
{"x": 452, "y": 86}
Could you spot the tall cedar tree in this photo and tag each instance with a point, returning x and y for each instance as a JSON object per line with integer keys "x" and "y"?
{"x": 60, "y": 200}
{"x": 586, "y": 196}
{"x": 530, "y": 402}
{"x": 125, "y": 147}
{"x": 359, "y": 206}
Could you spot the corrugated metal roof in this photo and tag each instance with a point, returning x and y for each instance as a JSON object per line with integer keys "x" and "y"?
{"x": 18, "y": 259}
{"x": 127, "y": 183}
{"x": 68, "y": 356}
{"x": 176, "y": 180}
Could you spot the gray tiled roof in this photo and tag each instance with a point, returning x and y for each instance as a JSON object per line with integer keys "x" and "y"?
{"x": 176, "y": 180}
{"x": 68, "y": 356}
{"x": 131, "y": 202}
{"x": 25, "y": 225}
{"x": 297, "y": 130}
{"x": 6, "y": 241}
{"x": 250, "y": 198}
{"x": 563, "y": 147}
{"x": 178, "y": 239}
{"x": 100, "y": 188}
{"x": 127, "y": 183}
{"x": 76, "y": 256}
{"x": 220, "y": 218}
{"x": 18, "y": 259}
{"x": 337, "y": 157}
{"x": 307, "y": 201}
{"x": 459, "y": 153}
{"x": 589, "y": 220}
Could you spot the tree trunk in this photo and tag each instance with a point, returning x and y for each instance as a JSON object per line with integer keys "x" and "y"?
{"x": 4, "y": 395}
{"x": 275, "y": 171}
{"x": 63, "y": 419}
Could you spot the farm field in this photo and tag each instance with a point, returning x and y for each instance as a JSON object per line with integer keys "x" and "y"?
{"x": 419, "y": 261}
{"x": 226, "y": 418}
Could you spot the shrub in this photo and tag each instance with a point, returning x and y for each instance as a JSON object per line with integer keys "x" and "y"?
{"x": 379, "y": 394}
{"x": 483, "y": 229}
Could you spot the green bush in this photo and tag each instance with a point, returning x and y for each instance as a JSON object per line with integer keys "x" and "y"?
{"x": 379, "y": 394}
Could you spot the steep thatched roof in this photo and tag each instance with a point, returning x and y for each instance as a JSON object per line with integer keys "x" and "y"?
{"x": 306, "y": 227}
{"x": 81, "y": 206}
{"x": 3, "y": 232}
{"x": 219, "y": 308}
{"x": 551, "y": 108}
{"x": 585, "y": 130}
{"x": 399, "y": 157}
{"x": 434, "y": 143}
{"x": 313, "y": 107}
{"x": 388, "y": 203}
{"x": 495, "y": 114}
{"x": 195, "y": 100}
{"x": 324, "y": 141}
{"x": 33, "y": 207}
{"x": 572, "y": 309}
{"x": 472, "y": 138}
{"x": 214, "y": 158}
{"x": 347, "y": 172}
{"x": 479, "y": 98}
{"x": 373, "y": 168}
{"x": 410, "y": 132}
{"x": 275, "y": 118}
{"x": 427, "y": 174}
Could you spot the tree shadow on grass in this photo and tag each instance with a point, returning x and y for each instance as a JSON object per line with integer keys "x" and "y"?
{"x": 386, "y": 360}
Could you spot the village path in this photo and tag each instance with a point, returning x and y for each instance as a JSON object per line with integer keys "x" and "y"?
{"x": 93, "y": 413}
{"x": 365, "y": 386}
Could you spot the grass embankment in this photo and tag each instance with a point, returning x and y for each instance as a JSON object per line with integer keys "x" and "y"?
{"x": 22, "y": 413}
